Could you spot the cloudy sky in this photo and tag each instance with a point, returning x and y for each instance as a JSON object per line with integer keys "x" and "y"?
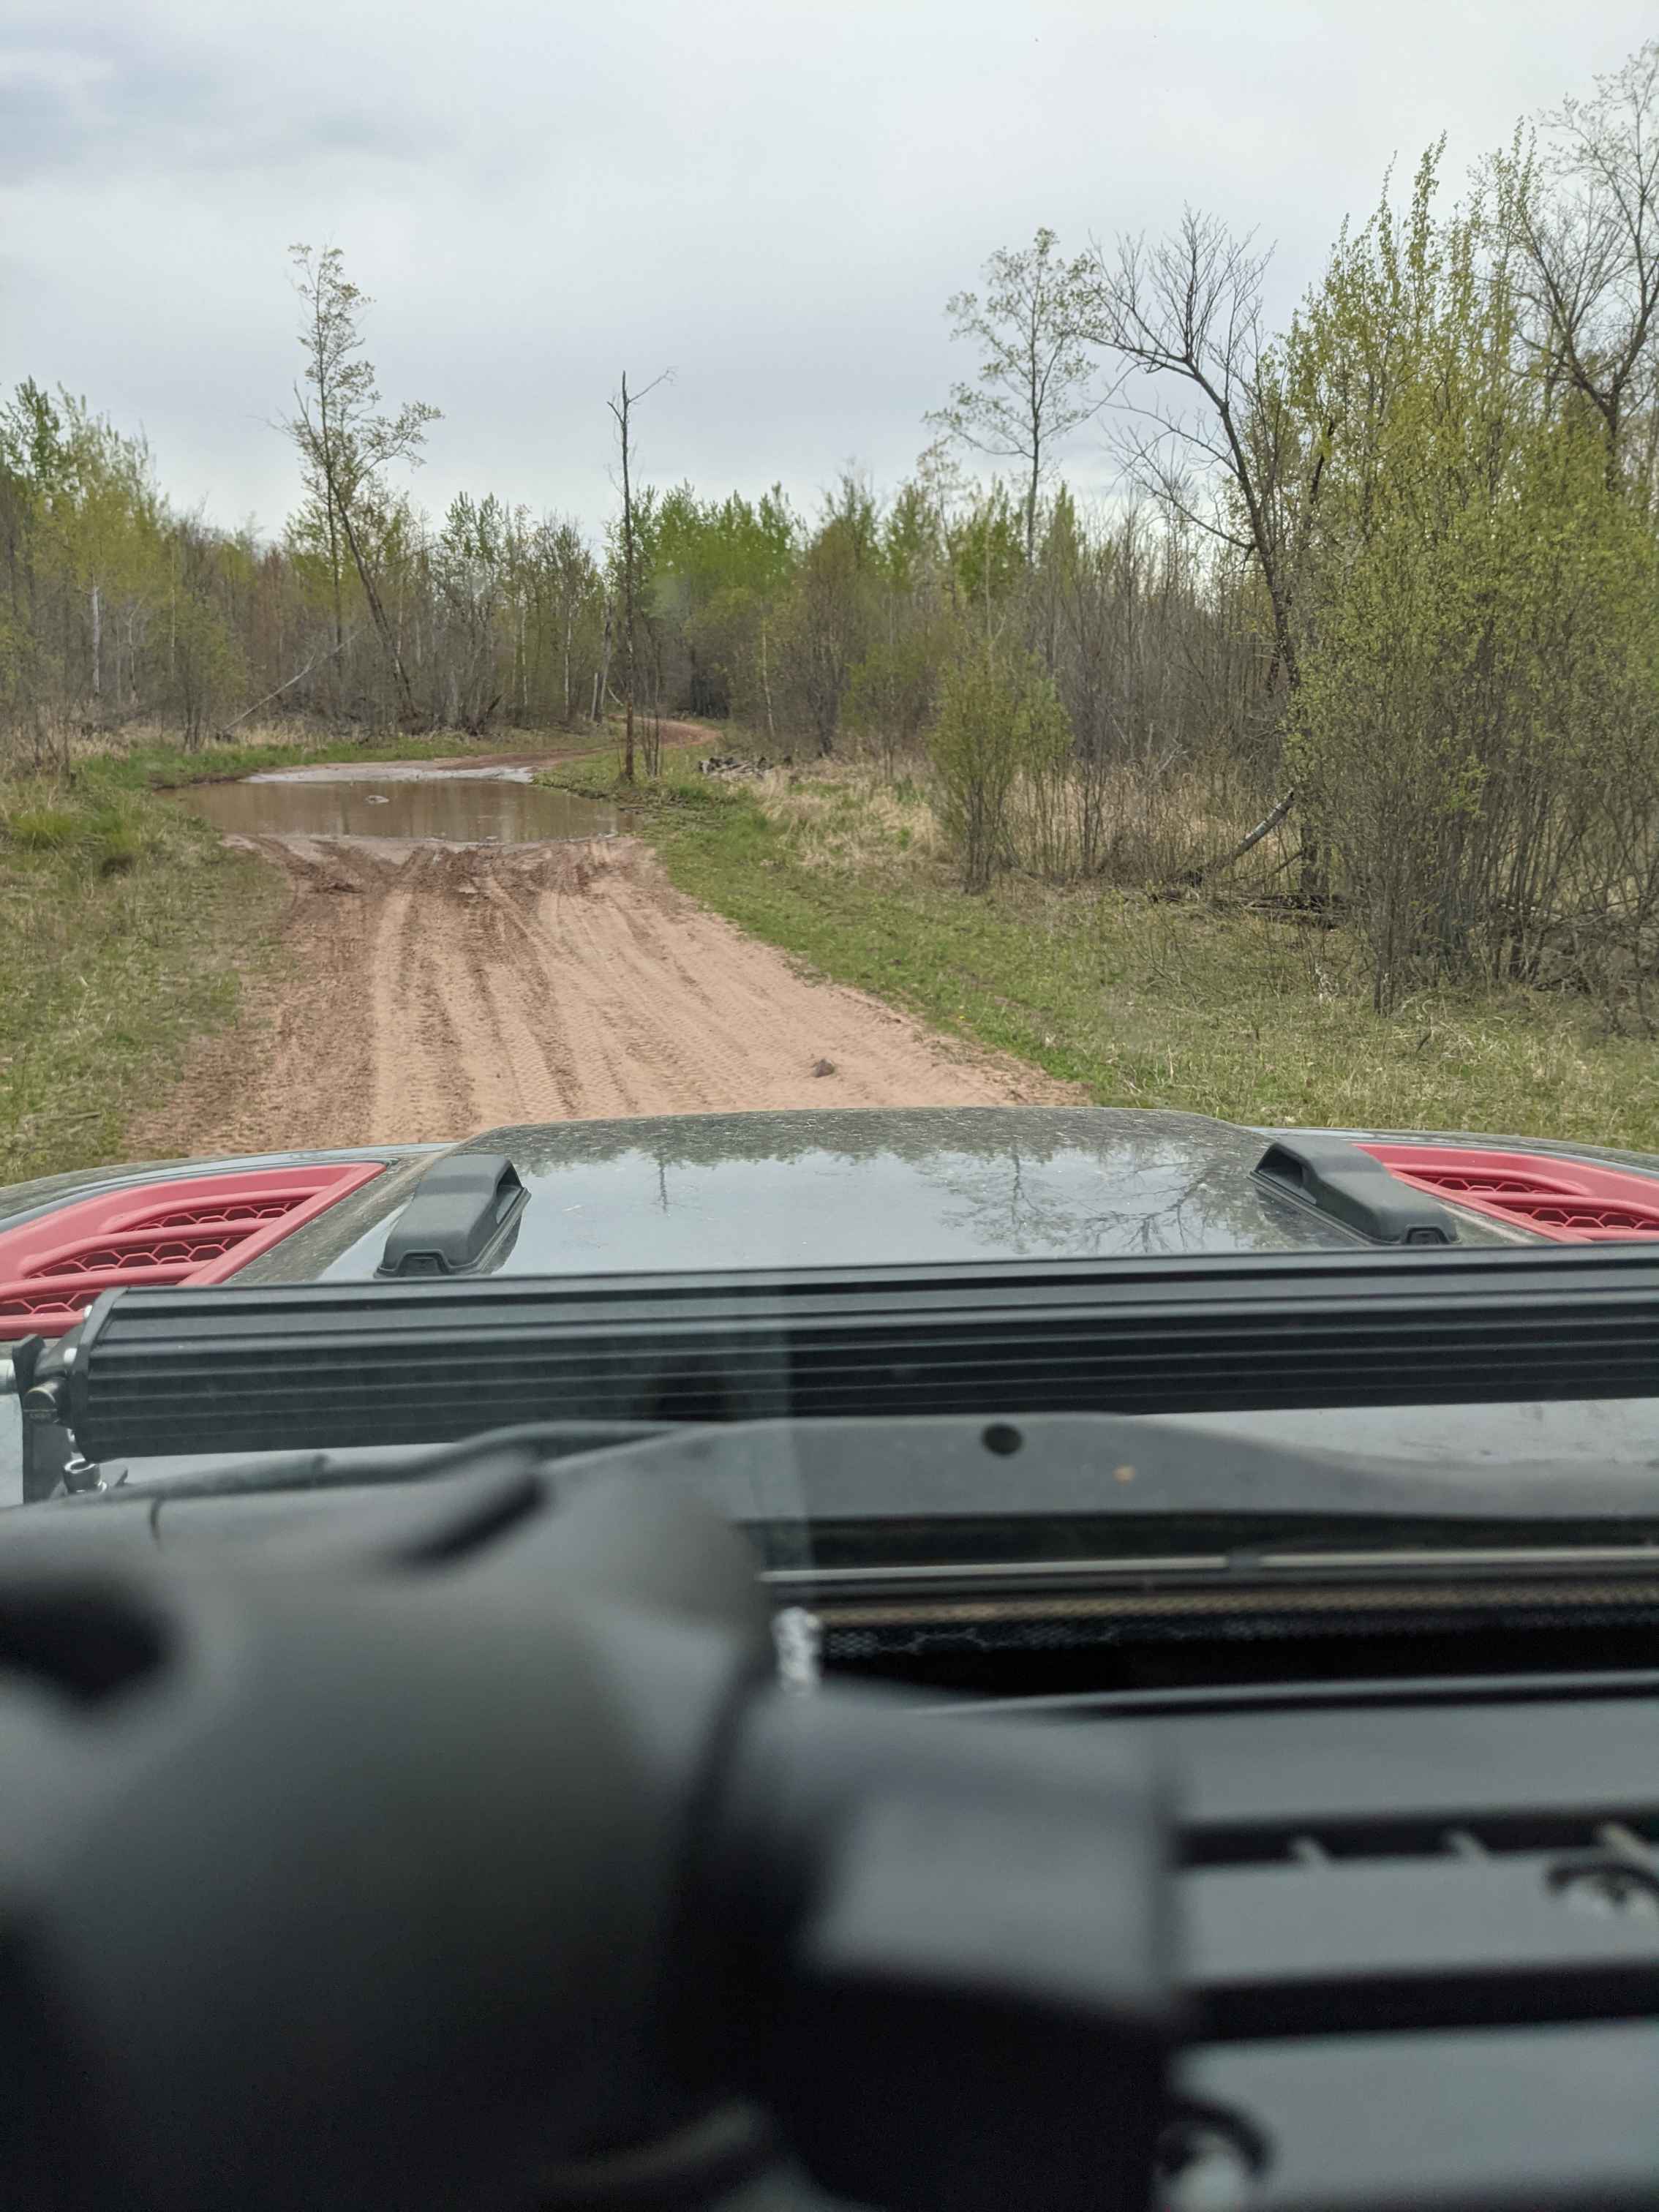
{"x": 774, "y": 196}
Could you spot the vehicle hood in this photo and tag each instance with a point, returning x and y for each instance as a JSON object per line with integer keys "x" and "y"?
{"x": 899, "y": 1187}
{"x": 872, "y": 1187}
{"x": 866, "y": 1189}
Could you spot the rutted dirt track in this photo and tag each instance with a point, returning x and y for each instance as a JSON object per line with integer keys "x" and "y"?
{"x": 428, "y": 991}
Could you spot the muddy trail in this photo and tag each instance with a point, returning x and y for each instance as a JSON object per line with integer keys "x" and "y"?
{"x": 429, "y": 990}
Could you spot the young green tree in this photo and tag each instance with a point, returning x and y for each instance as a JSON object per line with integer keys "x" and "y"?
{"x": 203, "y": 661}
{"x": 568, "y": 587}
{"x": 1000, "y": 718}
{"x": 1034, "y": 383}
{"x": 720, "y": 568}
{"x": 987, "y": 559}
{"x": 469, "y": 562}
{"x": 1478, "y": 723}
{"x": 345, "y": 443}
{"x": 890, "y": 692}
{"x": 830, "y": 619}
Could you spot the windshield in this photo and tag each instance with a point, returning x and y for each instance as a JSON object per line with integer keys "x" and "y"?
{"x": 961, "y": 673}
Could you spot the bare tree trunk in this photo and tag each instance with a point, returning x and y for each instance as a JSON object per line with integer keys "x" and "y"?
{"x": 766, "y": 688}
{"x": 97, "y": 646}
{"x": 1036, "y": 471}
{"x": 628, "y": 596}
{"x": 623, "y": 411}
{"x": 378, "y": 615}
{"x": 601, "y": 674}
{"x": 330, "y": 490}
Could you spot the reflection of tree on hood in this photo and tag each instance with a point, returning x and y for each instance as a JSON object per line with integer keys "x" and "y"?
{"x": 1166, "y": 1196}
{"x": 1024, "y": 1176}
{"x": 916, "y": 1133}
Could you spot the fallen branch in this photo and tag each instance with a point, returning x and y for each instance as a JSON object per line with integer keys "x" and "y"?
{"x": 1194, "y": 876}
{"x": 288, "y": 686}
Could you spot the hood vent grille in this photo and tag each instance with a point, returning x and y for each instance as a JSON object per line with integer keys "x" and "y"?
{"x": 196, "y": 1229}
{"x": 1569, "y": 1202}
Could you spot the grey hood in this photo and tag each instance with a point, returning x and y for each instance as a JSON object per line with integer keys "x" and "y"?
{"x": 858, "y": 1189}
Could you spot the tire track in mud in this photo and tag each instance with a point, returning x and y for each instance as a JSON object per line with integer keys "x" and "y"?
{"x": 428, "y": 991}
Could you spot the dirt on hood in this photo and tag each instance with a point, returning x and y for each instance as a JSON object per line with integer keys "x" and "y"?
{"x": 427, "y": 990}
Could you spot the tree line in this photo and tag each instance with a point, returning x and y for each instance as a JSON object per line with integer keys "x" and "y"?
{"x": 1376, "y": 600}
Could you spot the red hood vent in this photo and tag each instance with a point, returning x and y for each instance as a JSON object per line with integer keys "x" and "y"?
{"x": 195, "y": 1228}
{"x": 1571, "y": 1201}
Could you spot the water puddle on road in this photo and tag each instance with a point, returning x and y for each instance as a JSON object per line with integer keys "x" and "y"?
{"x": 460, "y": 807}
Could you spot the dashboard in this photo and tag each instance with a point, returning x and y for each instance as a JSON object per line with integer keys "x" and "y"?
{"x": 1413, "y": 1918}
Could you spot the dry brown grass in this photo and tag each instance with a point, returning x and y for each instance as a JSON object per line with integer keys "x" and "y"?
{"x": 843, "y": 817}
{"x": 1151, "y": 827}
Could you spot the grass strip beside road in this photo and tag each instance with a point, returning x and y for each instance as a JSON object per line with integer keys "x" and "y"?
{"x": 128, "y": 926}
{"x": 1204, "y": 1007}
{"x": 126, "y": 923}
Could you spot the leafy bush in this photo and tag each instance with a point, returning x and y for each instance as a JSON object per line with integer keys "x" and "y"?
{"x": 1476, "y": 741}
{"x": 1000, "y": 718}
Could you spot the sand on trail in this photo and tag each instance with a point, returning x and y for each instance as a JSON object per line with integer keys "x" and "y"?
{"x": 427, "y": 990}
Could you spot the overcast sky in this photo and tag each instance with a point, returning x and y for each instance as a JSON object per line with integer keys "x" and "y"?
{"x": 775, "y": 196}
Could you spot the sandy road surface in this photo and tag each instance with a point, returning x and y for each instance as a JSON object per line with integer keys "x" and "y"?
{"x": 428, "y": 991}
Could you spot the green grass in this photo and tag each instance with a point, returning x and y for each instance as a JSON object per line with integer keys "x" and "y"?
{"x": 126, "y": 922}
{"x": 1185, "y": 1005}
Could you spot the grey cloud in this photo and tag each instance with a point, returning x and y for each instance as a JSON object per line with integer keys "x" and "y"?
{"x": 125, "y": 105}
{"x": 776, "y": 196}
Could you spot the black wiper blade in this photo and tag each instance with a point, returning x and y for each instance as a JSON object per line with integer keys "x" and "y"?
{"x": 957, "y": 1482}
{"x": 949, "y": 1481}
{"x": 540, "y": 1444}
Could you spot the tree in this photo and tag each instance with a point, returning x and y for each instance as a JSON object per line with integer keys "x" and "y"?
{"x": 889, "y": 694}
{"x": 827, "y": 623}
{"x": 1000, "y": 717}
{"x": 469, "y": 562}
{"x": 345, "y": 444}
{"x": 565, "y": 568}
{"x": 1033, "y": 384}
{"x": 1188, "y": 312}
{"x": 1587, "y": 220}
{"x": 622, "y": 408}
{"x": 1478, "y": 725}
{"x": 720, "y": 567}
{"x": 987, "y": 564}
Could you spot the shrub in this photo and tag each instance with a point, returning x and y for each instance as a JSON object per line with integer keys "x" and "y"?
{"x": 1000, "y": 718}
{"x": 42, "y": 828}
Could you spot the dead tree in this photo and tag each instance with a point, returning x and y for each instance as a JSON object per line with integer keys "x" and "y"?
{"x": 1208, "y": 427}
{"x": 622, "y": 408}
{"x": 1590, "y": 247}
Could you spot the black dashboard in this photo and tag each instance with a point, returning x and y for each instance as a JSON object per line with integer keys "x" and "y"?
{"x": 1413, "y": 1918}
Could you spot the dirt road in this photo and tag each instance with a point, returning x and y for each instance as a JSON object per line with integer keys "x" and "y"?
{"x": 428, "y": 991}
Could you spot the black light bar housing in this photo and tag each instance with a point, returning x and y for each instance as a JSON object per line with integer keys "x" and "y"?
{"x": 336, "y": 1364}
